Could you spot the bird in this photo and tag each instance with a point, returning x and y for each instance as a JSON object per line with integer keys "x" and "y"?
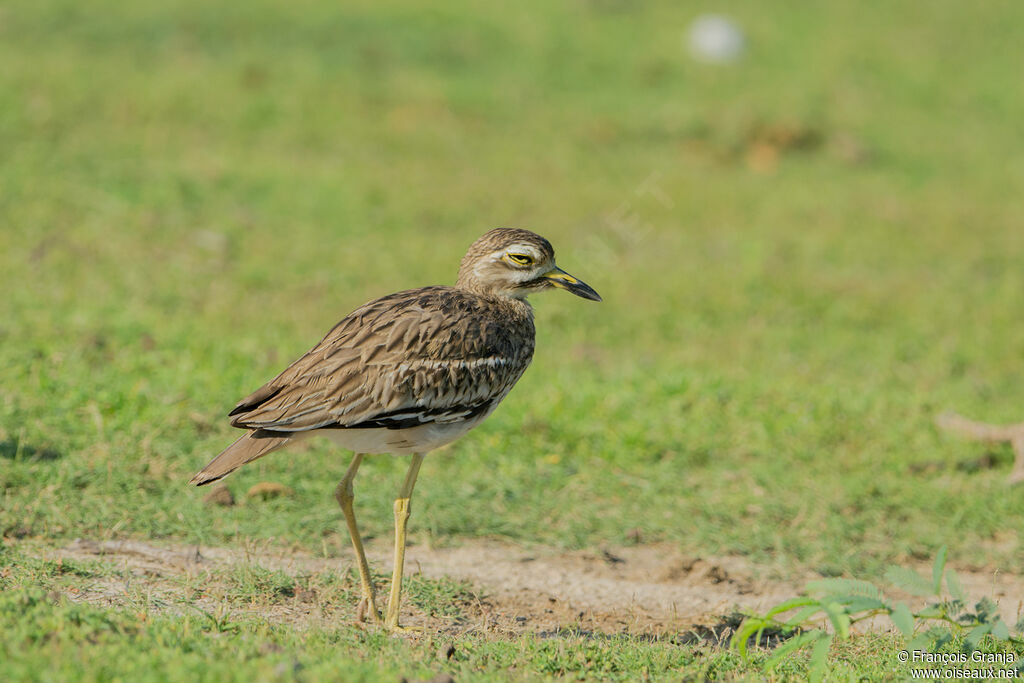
{"x": 406, "y": 374}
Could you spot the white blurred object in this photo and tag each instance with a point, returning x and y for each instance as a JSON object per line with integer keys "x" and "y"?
{"x": 716, "y": 38}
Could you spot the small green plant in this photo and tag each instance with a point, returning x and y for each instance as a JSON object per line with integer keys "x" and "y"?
{"x": 844, "y": 602}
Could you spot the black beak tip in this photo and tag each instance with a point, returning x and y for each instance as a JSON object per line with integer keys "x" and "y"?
{"x": 561, "y": 279}
{"x": 585, "y": 291}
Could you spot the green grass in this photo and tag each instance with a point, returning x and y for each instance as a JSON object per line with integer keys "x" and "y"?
{"x": 193, "y": 194}
{"x": 69, "y": 638}
{"x": 50, "y": 637}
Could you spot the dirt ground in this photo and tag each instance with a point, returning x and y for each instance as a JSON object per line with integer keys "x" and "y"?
{"x": 645, "y": 589}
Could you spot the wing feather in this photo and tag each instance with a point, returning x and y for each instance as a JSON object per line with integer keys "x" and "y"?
{"x": 436, "y": 354}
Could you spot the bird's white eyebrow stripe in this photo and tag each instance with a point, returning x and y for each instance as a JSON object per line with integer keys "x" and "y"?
{"x": 519, "y": 248}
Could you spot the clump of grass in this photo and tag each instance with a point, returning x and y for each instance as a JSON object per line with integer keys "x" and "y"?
{"x": 32, "y": 616}
{"x": 21, "y": 569}
{"x": 255, "y": 584}
{"x": 329, "y": 588}
{"x": 444, "y": 597}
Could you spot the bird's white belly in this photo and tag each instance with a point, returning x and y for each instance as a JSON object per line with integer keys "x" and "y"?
{"x": 419, "y": 439}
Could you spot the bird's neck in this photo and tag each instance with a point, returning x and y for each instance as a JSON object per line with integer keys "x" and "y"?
{"x": 515, "y": 301}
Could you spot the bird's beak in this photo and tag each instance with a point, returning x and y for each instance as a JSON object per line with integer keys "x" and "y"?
{"x": 561, "y": 279}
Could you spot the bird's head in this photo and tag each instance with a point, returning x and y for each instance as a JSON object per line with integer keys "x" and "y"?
{"x": 516, "y": 263}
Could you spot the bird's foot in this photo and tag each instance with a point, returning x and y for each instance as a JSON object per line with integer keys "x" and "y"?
{"x": 397, "y": 630}
{"x": 363, "y": 608}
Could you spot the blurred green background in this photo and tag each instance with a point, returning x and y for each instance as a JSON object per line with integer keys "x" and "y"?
{"x": 805, "y": 256}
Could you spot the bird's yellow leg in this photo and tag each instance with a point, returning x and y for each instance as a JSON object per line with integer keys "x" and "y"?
{"x": 402, "y": 511}
{"x": 345, "y": 497}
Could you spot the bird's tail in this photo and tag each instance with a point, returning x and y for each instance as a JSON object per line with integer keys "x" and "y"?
{"x": 255, "y": 444}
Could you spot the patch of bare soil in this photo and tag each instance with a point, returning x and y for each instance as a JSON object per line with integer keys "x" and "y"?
{"x": 647, "y": 589}
{"x": 642, "y": 589}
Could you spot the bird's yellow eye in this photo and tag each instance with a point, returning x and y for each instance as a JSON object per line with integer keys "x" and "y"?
{"x": 520, "y": 259}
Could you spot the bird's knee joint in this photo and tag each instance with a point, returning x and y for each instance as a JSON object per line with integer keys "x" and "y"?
{"x": 403, "y": 507}
{"x": 344, "y": 493}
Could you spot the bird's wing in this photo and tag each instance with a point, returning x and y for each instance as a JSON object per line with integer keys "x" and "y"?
{"x": 429, "y": 355}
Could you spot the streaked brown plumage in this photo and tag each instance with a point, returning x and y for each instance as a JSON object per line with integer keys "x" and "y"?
{"x": 432, "y": 355}
{"x": 408, "y": 372}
